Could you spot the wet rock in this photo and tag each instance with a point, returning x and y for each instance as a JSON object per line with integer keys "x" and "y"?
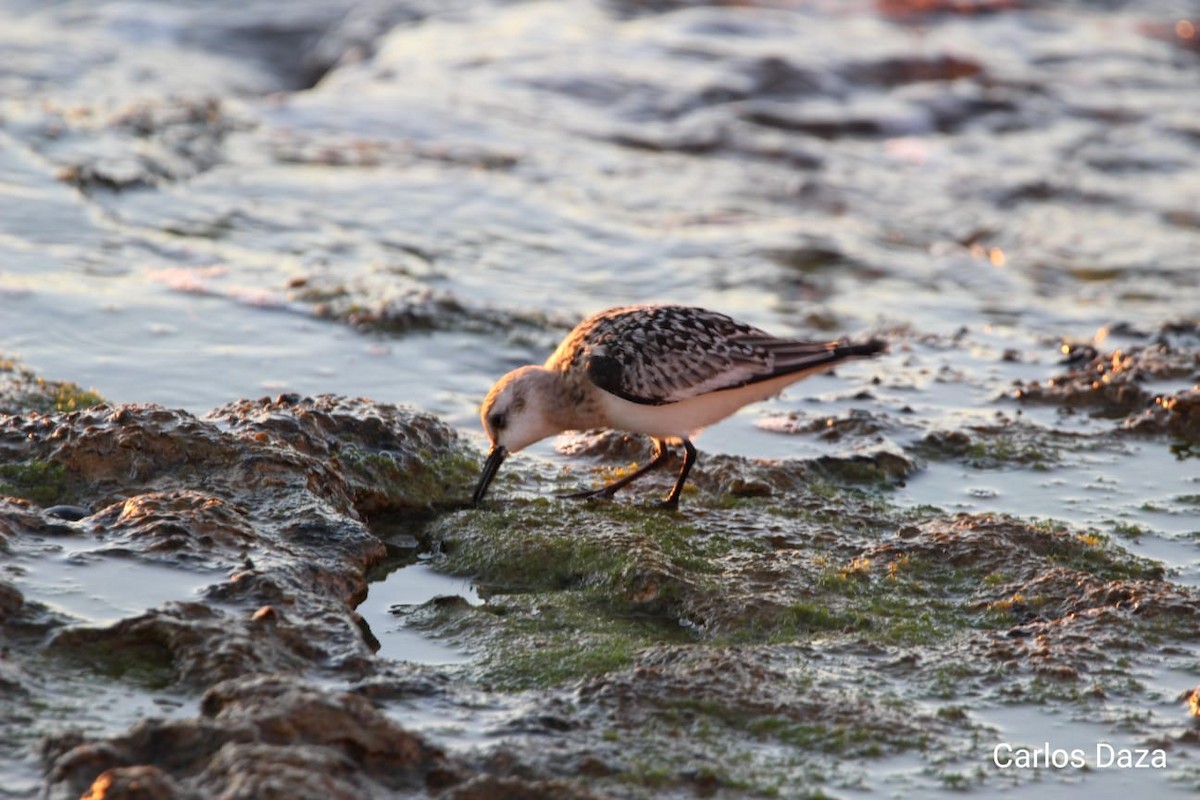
{"x": 389, "y": 303}
{"x": 107, "y": 454}
{"x": 20, "y": 518}
{"x": 886, "y": 464}
{"x": 901, "y": 70}
{"x": 713, "y": 618}
{"x": 132, "y": 461}
{"x": 266, "y": 504}
{"x": 609, "y": 445}
{"x": 133, "y": 783}
{"x": 952, "y": 443}
{"x": 1047, "y": 602}
{"x": 196, "y": 645}
{"x": 413, "y": 681}
{"x": 267, "y": 735}
{"x": 758, "y": 696}
{"x": 997, "y": 446}
{"x": 742, "y": 572}
{"x": 1177, "y": 414}
{"x": 16, "y": 516}
{"x": 255, "y": 736}
{"x": 280, "y": 477}
{"x": 856, "y": 424}
{"x": 740, "y": 477}
{"x": 68, "y": 513}
{"x": 326, "y": 150}
{"x": 822, "y": 125}
{"x": 393, "y": 458}
{"x": 139, "y": 145}
{"x": 1192, "y": 698}
{"x": 11, "y": 601}
{"x": 1059, "y": 593}
{"x": 187, "y": 523}
{"x": 1005, "y": 546}
{"x": 1119, "y": 384}
{"x": 386, "y": 458}
{"x": 747, "y": 684}
{"x": 965, "y": 595}
{"x": 869, "y": 460}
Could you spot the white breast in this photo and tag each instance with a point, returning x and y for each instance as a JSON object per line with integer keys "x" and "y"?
{"x": 687, "y": 417}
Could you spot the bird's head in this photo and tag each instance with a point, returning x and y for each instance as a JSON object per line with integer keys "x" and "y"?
{"x": 517, "y": 412}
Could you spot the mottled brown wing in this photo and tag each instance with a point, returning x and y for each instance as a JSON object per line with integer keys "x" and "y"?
{"x": 664, "y": 354}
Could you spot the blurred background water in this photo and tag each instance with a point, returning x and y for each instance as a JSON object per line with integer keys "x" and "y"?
{"x": 195, "y": 194}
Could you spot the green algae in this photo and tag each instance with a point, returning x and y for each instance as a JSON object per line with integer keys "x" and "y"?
{"x": 532, "y": 550}
{"x": 627, "y": 560}
{"x": 545, "y": 546}
{"x": 587, "y": 592}
{"x": 945, "y": 613}
{"x": 143, "y": 662}
{"x": 1094, "y": 553}
{"x": 997, "y": 447}
{"x": 849, "y": 741}
{"x": 795, "y": 738}
{"x": 440, "y": 478}
{"x": 67, "y": 396}
{"x": 537, "y": 642}
{"x": 43, "y": 482}
{"x": 902, "y": 602}
{"x": 22, "y": 391}
{"x": 565, "y": 605}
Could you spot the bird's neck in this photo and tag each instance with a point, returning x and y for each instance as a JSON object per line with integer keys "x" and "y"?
{"x": 576, "y": 406}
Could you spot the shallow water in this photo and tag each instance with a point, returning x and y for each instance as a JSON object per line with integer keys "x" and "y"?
{"x": 1033, "y": 727}
{"x": 388, "y": 604}
{"x": 182, "y": 341}
{"x": 97, "y": 589}
{"x": 94, "y": 707}
{"x": 1141, "y": 510}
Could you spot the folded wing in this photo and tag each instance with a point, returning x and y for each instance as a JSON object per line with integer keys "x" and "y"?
{"x": 666, "y": 354}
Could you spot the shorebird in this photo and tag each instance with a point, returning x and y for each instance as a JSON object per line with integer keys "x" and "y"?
{"x": 667, "y": 371}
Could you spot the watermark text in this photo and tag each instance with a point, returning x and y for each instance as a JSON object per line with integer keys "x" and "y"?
{"x": 1102, "y": 756}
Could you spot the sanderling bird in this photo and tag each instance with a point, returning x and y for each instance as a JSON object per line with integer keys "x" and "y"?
{"x": 663, "y": 370}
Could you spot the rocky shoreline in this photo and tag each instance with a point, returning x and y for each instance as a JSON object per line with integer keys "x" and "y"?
{"x": 786, "y": 631}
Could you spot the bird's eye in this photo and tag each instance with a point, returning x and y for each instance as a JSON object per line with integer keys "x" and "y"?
{"x": 498, "y": 420}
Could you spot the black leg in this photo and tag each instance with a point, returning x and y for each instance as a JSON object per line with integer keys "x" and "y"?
{"x": 660, "y": 455}
{"x": 689, "y": 458}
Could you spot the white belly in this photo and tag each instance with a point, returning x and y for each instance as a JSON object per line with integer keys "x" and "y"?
{"x": 687, "y": 417}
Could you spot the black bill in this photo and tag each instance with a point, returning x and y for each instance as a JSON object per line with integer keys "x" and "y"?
{"x": 490, "y": 468}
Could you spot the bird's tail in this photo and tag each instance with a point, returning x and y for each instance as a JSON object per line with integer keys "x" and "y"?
{"x": 860, "y": 349}
{"x": 804, "y": 358}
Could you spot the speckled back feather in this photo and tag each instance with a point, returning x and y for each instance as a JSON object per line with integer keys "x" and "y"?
{"x": 667, "y": 353}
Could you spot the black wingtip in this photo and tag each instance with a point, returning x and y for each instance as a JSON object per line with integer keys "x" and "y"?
{"x": 861, "y": 349}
